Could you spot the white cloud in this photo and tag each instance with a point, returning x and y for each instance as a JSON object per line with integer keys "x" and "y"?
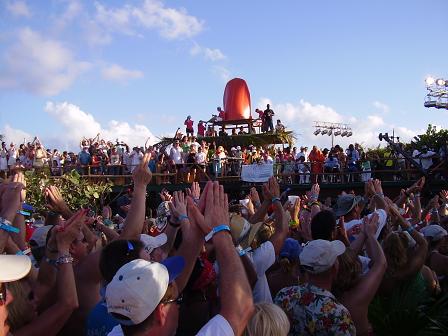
{"x": 15, "y": 135}
{"x": 222, "y": 72}
{"x": 381, "y": 106}
{"x": 117, "y": 73}
{"x": 300, "y": 118}
{"x": 209, "y": 54}
{"x": 76, "y": 124}
{"x": 40, "y": 65}
{"x": 170, "y": 23}
{"x": 73, "y": 10}
{"x": 18, "y": 8}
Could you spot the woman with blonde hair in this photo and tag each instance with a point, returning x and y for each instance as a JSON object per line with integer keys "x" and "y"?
{"x": 268, "y": 320}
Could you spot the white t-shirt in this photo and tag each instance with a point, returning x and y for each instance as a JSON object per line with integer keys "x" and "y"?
{"x": 262, "y": 258}
{"x": 217, "y": 326}
{"x": 426, "y": 160}
{"x": 176, "y": 155}
{"x": 382, "y": 217}
{"x": 200, "y": 157}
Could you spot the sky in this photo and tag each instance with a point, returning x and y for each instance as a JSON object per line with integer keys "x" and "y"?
{"x": 133, "y": 70}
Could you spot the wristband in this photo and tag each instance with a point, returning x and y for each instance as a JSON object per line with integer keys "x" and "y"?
{"x": 275, "y": 199}
{"x": 24, "y": 252}
{"x": 240, "y": 250}
{"x": 182, "y": 217}
{"x": 380, "y": 194}
{"x": 27, "y": 207}
{"x": 215, "y": 230}
{"x": 314, "y": 197}
{"x": 314, "y": 203}
{"x": 6, "y": 225}
{"x": 64, "y": 259}
{"x": 23, "y": 213}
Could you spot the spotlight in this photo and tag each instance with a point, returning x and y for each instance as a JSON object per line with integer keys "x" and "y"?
{"x": 429, "y": 80}
{"x": 330, "y": 131}
{"x": 429, "y": 102}
{"x": 316, "y": 132}
{"x": 338, "y": 132}
{"x": 349, "y": 133}
{"x": 440, "y": 104}
{"x": 440, "y": 82}
{"x": 324, "y": 132}
{"x": 343, "y": 134}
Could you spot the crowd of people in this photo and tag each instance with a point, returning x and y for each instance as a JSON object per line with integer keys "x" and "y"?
{"x": 189, "y": 158}
{"x": 206, "y": 264}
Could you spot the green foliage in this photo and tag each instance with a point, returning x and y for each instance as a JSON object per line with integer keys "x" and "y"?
{"x": 409, "y": 312}
{"x": 433, "y": 138}
{"x": 77, "y": 190}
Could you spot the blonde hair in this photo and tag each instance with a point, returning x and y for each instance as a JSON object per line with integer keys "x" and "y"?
{"x": 19, "y": 309}
{"x": 395, "y": 248}
{"x": 268, "y": 320}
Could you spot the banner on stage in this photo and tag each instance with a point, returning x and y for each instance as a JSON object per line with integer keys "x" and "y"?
{"x": 257, "y": 172}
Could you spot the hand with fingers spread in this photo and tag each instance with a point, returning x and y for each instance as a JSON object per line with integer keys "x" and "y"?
{"x": 142, "y": 175}
{"x": 369, "y": 189}
{"x": 178, "y": 206}
{"x": 195, "y": 191}
{"x": 165, "y": 195}
{"x": 444, "y": 196}
{"x": 271, "y": 189}
{"x": 55, "y": 202}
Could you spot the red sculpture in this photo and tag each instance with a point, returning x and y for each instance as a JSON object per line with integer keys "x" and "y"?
{"x": 237, "y": 100}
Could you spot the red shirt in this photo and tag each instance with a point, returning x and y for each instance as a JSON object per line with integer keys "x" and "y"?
{"x": 201, "y": 129}
{"x": 189, "y": 123}
{"x": 222, "y": 114}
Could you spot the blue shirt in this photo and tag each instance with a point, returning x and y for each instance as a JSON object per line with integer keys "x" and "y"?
{"x": 99, "y": 321}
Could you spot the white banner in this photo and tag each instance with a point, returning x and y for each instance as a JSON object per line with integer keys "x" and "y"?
{"x": 257, "y": 172}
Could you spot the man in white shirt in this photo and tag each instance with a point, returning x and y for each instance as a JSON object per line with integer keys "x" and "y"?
{"x": 177, "y": 158}
{"x": 425, "y": 157}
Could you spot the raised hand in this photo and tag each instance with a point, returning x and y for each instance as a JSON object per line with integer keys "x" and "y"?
{"x": 178, "y": 206}
{"x": 142, "y": 175}
{"x": 55, "y": 202}
{"x": 195, "y": 191}
{"x": 10, "y": 194}
{"x": 370, "y": 225}
{"x": 217, "y": 206}
{"x": 377, "y": 186}
{"x": 165, "y": 195}
{"x": 253, "y": 195}
{"x": 271, "y": 189}
{"x": 20, "y": 178}
{"x": 68, "y": 231}
{"x": 315, "y": 190}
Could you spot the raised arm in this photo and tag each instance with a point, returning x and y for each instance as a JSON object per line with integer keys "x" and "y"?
{"x": 236, "y": 295}
{"x": 51, "y": 321}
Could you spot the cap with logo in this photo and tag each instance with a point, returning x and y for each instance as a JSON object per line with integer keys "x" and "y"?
{"x": 320, "y": 255}
{"x": 152, "y": 243}
{"x": 138, "y": 286}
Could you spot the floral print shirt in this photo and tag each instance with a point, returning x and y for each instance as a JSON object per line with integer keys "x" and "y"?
{"x": 314, "y": 311}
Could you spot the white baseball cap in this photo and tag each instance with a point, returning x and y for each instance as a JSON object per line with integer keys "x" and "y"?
{"x": 152, "y": 243}
{"x": 138, "y": 286}
{"x": 14, "y": 267}
{"x": 436, "y": 232}
{"x": 238, "y": 147}
{"x": 319, "y": 255}
{"x": 39, "y": 236}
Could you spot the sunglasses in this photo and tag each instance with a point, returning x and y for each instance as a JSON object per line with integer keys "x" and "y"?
{"x": 3, "y": 295}
{"x": 177, "y": 301}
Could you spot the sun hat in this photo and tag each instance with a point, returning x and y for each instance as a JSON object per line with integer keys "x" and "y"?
{"x": 291, "y": 249}
{"x": 152, "y": 243}
{"x": 14, "y": 267}
{"x": 436, "y": 232}
{"x": 346, "y": 203}
{"x": 138, "y": 286}
{"x": 242, "y": 231}
{"x": 320, "y": 255}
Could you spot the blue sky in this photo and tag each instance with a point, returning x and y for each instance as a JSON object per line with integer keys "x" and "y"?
{"x": 135, "y": 69}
